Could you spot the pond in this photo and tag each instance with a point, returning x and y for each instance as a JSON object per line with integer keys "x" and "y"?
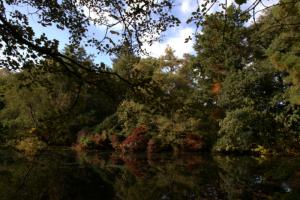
{"x": 65, "y": 174}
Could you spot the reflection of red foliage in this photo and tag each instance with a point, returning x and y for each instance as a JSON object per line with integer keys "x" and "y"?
{"x": 115, "y": 159}
{"x": 136, "y": 141}
{"x": 193, "y": 142}
{"x": 155, "y": 145}
{"x": 194, "y": 162}
{"x": 78, "y": 147}
{"x": 134, "y": 166}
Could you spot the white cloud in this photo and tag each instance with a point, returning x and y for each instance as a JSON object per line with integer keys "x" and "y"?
{"x": 104, "y": 17}
{"x": 229, "y": 2}
{"x": 261, "y": 6}
{"x": 176, "y": 42}
{"x": 186, "y": 6}
{"x": 259, "y": 9}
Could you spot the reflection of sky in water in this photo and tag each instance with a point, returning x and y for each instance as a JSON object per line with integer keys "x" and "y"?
{"x": 258, "y": 179}
{"x": 285, "y": 187}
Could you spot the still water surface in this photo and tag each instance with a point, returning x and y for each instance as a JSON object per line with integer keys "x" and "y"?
{"x": 67, "y": 175}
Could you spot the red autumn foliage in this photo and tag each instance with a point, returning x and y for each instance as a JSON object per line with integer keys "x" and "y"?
{"x": 77, "y": 147}
{"x": 137, "y": 141}
{"x": 193, "y": 142}
{"x": 216, "y": 88}
{"x": 96, "y": 138}
{"x": 140, "y": 130}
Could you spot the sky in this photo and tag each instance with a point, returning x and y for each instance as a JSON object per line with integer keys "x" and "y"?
{"x": 173, "y": 37}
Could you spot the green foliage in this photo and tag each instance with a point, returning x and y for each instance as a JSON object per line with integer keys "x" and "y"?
{"x": 254, "y": 87}
{"x": 57, "y": 105}
{"x": 283, "y": 51}
{"x": 124, "y": 62}
{"x": 131, "y": 115}
{"x": 257, "y": 112}
{"x": 110, "y": 123}
{"x": 255, "y": 95}
{"x": 137, "y": 21}
{"x": 240, "y": 92}
{"x": 261, "y": 150}
{"x": 222, "y": 46}
{"x": 243, "y": 129}
{"x": 240, "y": 1}
{"x": 164, "y": 101}
{"x": 30, "y": 145}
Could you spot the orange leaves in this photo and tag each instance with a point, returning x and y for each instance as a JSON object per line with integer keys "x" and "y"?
{"x": 216, "y": 88}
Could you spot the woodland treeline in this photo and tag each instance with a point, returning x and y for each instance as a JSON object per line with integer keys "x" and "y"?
{"x": 239, "y": 93}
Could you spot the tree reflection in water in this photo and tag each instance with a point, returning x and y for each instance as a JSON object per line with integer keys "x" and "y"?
{"x": 64, "y": 174}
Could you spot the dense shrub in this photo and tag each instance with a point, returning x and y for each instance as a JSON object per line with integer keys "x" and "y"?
{"x": 92, "y": 141}
{"x": 136, "y": 141}
{"x": 243, "y": 129}
{"x": 131, "y": 115}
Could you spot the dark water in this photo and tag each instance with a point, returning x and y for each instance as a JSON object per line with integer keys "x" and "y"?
{"x": 64, "y": 175}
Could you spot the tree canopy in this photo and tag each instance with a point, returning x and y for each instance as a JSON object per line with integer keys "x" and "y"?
{"x": 238, "y": 93}
{"x": 141, "y": 21}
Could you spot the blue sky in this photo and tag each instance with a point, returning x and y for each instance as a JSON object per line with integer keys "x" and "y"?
{"x": 173, "y": 37}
